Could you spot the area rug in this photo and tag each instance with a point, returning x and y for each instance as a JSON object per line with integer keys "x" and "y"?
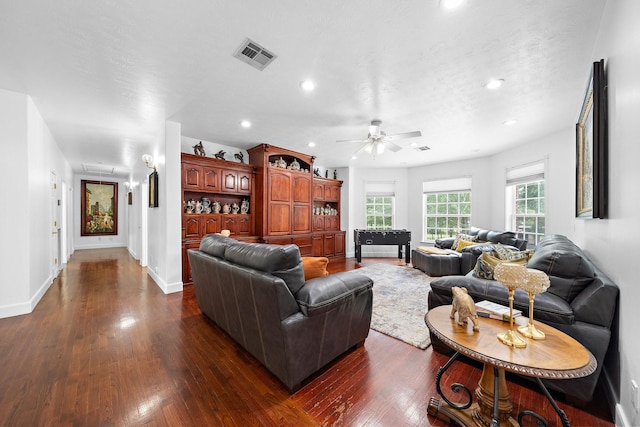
{"x": 399, "y": 302}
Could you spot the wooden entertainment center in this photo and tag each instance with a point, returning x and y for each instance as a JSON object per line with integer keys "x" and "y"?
{"x": 286, "y": 202}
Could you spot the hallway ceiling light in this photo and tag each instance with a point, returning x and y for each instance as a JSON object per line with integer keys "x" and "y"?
{"x": 494, "y": 83}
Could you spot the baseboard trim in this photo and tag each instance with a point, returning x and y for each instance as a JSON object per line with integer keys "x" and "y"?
{"x": 166, "y": 288}
{"x": 26, "y": 307}
{"x": 102, "y": 246}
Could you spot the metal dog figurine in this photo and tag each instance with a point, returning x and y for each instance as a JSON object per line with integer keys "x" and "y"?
{"x": 465, "y": 307}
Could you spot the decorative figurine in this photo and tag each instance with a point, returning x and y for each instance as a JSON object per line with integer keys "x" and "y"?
{"x": 281, "y": 163}
{"x": 235, "y": 208}
{"x": 326, "y": 173}
{"x": 244, "y": 207}
{"x": 191, "y": 206}
{"x": 295, "y": 166}
{"x": 465, "y": 307}
{"x": 215, "y": 207}
{"x": 220, "y": 155}
{"x": 198, "y": 207}
{"x": 239, "y": 156}
{"x": 198, "y": 149}
{"x": 226, "y": 208}
{"x": 316, "y": 172}
{"x": 335, "y": 174}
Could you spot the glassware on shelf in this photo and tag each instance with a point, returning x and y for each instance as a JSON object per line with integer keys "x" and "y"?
{"x": 511, "y": 276}
{"x": 537, "y": 283}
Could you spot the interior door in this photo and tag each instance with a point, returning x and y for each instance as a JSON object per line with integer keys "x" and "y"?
{"x": 55, "y": 226}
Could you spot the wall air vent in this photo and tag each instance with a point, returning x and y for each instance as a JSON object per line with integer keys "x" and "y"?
{"x": 254, "y": 54}
{"x": 423, "y": 148}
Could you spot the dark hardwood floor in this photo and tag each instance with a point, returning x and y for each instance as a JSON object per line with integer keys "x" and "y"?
{"x": 106, "y": 347}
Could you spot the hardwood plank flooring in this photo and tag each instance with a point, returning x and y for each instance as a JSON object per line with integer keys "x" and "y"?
{"x": 106, "y": 347}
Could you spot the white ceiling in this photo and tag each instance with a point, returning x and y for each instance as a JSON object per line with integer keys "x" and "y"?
{"x": 106, "y": 74}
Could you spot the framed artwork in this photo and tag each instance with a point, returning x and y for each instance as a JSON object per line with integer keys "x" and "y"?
{"x": 153, "y": 189}
{"x": 99, "y": 206}
{"x": 591, "y": 149}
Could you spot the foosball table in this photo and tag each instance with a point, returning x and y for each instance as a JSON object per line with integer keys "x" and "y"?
{"x": 383, "y": 237}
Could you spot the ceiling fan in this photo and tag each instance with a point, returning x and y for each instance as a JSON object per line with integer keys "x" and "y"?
{"x": 377, "y": 141}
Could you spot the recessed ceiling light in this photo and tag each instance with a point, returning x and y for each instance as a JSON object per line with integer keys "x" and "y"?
{"x": 414, "y": 144}
{"x": 307, "y": 85}
{"x": 354, "y": 157}
{"x": 451, "y": 4}
{"x": 245, "y": 124}
{"x": 312, "y": 144}
{"x": 510, "y": 122}
{"x": 494, "y": 83}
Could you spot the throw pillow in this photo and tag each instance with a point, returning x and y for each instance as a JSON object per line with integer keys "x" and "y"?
{"x": 314, "y": 267}
{"x": 462, "y": 236}
{"x": 487, "y": 263}
{"x": 507, "y": 254}
{"x": 463, "y": 244}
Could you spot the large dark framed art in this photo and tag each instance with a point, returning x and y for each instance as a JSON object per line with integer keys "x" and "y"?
{"x": 591, "y": 148}
{"x": 99, "y": 207}
{"x": 153, "y": 189}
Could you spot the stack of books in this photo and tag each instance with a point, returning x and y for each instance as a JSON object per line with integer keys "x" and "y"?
{"x": 495, "y": 311}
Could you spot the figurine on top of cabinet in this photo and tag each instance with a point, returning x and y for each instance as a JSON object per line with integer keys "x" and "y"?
{"x": 335, "y": 174}
{"x": 220, "y": 155}
{"x": 198, "y": 149}
{"x": 316, "y": 172}
{"x": 239, "y": 156}
{"x": 281, "y": 163}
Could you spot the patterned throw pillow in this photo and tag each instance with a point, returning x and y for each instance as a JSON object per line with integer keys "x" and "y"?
{"x": 463, "y": 244}
{"x": 507, "y": 254}
{"x": 487, "y": 263}
{"x": 462, "y": 236}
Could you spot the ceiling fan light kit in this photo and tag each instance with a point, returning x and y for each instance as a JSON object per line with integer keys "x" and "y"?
{"x": 378, "y": 141}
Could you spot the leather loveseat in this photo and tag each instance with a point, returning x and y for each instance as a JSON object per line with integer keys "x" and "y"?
{"x": 581, "y": 301}
{"x": 451, "y": 262}
{"x": 258, "y": 295}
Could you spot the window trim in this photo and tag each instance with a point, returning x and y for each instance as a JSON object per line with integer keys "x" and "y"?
{"x": 445, "y": 186}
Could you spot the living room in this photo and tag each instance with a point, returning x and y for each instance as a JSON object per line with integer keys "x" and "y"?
{"x": 32, "y": 152}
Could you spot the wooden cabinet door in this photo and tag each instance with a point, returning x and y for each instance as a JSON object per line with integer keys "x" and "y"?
{"x": 280, "y": 187}
{"x": 244, "y": 182}
{"x": 210, "y": 179}
{"x": 335, "y": 193}
{"x": 244, "y": 225}
{"x": 340, "y": 243}
{"x": 191, "y": 225}
{"x": 211, "y": 224}
{"x": 317, "y": 245}
{"x": 279, "y": 221}
{"x": 301, "y": 189}
{"x": 327, "y": 192}
{"x": 301, "y": 218}
{"x": 186, "y": 267}
{"x": 318, "y": 191}
{"x": 191, "y": 177}
{"x": 231, "y": 223}
{"x": 318, "y": 223}
{"x": 329, "y": 245}
{"x": 229, "y": 181}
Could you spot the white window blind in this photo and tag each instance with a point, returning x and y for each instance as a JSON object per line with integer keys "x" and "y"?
{"x": 380, "y": 188}
{"x": 525, "y": 173}
{"x": 453, "y": 184}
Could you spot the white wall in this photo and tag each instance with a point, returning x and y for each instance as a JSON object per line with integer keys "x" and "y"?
{"x": 606, "y": 241}
{"x": 30, "y": 155}
{"x": 96, "y": 242}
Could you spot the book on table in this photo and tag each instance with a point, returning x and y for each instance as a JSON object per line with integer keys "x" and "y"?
{"x": 494, "y": 310}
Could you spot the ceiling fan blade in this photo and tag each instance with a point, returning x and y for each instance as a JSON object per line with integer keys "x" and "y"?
{"x": 391, "y": 146}
{"x": 353, "y": 140}
{"x": 362, "y": 148}
{"x": 404, "y": 135}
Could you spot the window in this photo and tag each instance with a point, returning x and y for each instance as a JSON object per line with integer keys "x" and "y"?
{"x": 446, "y": 207}
{"x": 526, "y": 203}
{"x": 380, "y": 204}
{"x": 380, "y": 212}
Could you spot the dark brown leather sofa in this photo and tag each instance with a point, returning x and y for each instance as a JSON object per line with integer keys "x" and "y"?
{"x": 257, "y": 294}
{"x": 581, "y": 302}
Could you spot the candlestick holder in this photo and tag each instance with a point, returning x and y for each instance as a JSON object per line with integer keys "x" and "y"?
{"x": 537, "y": 283}
{"x": 511, "y": 276}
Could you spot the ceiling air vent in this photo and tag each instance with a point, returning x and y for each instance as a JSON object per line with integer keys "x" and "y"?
{"x": 254, "y": 54}
{"x": 101, "y": 169}
{"x": 423, "y": 148}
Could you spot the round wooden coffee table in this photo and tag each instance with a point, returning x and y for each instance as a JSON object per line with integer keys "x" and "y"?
{"x": 557, "y": 357}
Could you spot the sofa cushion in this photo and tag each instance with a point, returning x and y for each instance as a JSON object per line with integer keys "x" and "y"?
{"x": 568, "y": 270}
{"x": 487, "y": 262}
{"x": 464, "y": 244}
{"x": 314, "y": 267}
{"x": 215, "y": 244}
{"x": 500, "y": 236}
{"x": 323, "y": 294}
{"x": 462, "y": 236}
{"x": 283, "y": 261}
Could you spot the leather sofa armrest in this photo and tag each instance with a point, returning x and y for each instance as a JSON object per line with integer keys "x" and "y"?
{"x": 323, "y": 294}
{"x": 596, "y": 303}
{"x": 444, "y": 243}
